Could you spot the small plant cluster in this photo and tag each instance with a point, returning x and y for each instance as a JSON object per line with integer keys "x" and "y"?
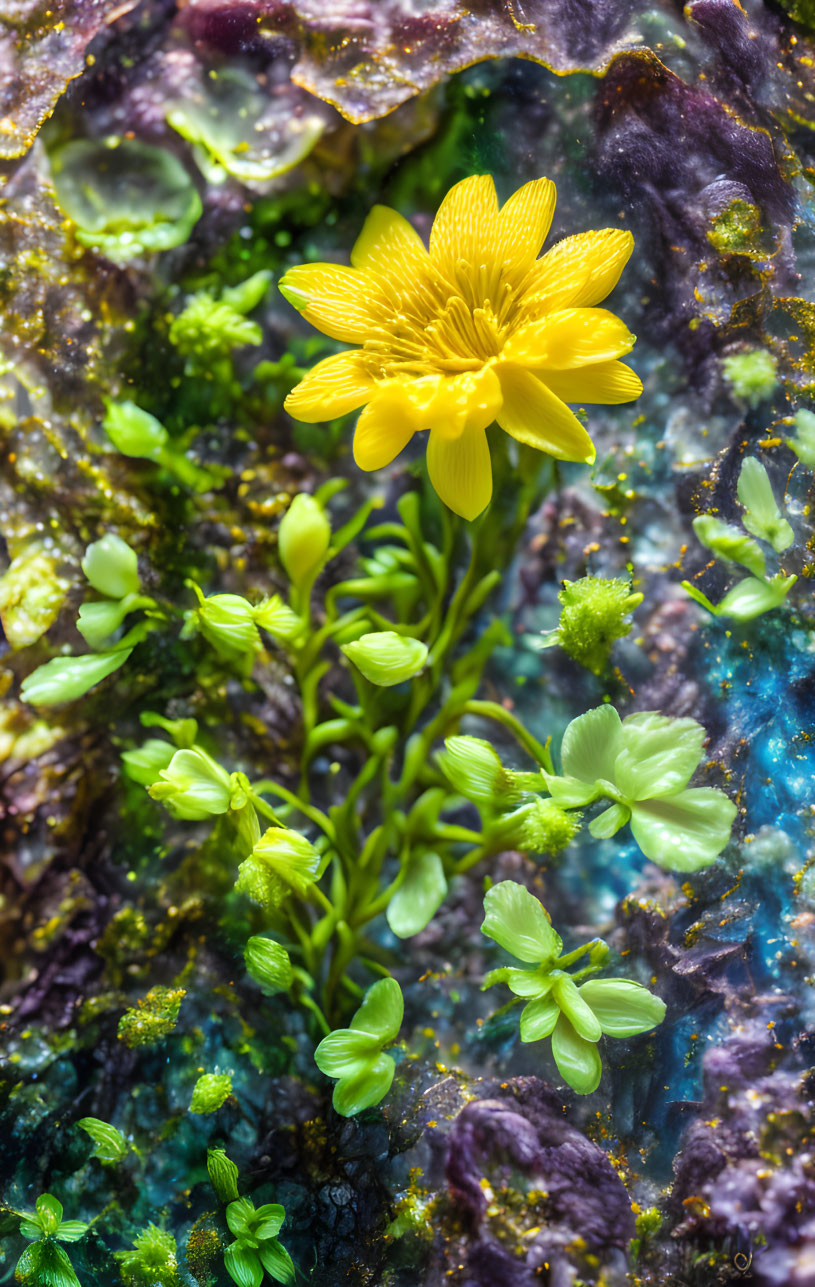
{"x": 44, "y": 1260}
{"x": 757, "y": 593}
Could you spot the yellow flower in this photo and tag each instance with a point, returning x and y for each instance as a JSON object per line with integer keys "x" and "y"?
{"x": 475, "y": 329}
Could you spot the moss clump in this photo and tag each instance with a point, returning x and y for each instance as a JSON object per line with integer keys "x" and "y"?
{"x": 737, "y": 229}
{"x": 152, "y": 1017}
{"x": 594, "y": 612}
{"x": 152, "y": 1262}
{"x": 752, "y": 375}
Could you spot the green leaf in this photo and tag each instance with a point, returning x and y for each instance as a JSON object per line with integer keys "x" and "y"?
{"x": 277, "y": 618}
{"x": 386, "y": 658}
{"x": 419, "y": 897}
{"x": 49, "y": 1212}
{"x": 803, "y": 444}
{"x": 247, "y": 294}
{"x": 110, "y": 1145}
{"x": 751, "y": 598}
{"x": 365, "y": 1089}
{"x": 134, "y": 432}
{"x": 729, "y": 543}
{"x": 657, "y": 755}
{"x": 523, "y": 983}
{"x": 590, "y": 744}
{"x": 346, "y": 1052}
{"x": 698, "y": 597}
{"x": 567, "y": 995}
{"x": 243, "y": 1266}
{"x": 66, "y": 678}
{"x": 686, "y": 831}
{"x": 762, "y": 516}
{"x": 210, "y": 1091}
{"x": 276, "y": 1261}
{"x": 538, "y": 1018}
{"x": 71, "y": 1230}
{"x": 223, "y": 1174}
{"x": 268, "y": 1220}
{"x": 269, "y": 964}
{"x": 112, "y": 567}
{"x": 381, "y": 1011}
{"x": 608, "y": 823}
{"x": 517, "y": 921}
{"x": 578, "y": 1060}
{"x": 239, "y": 1216}
{"x": 29, "y": 1229}
{"x": 98, "y": 621}
{"x": 623, "y": 1008}
{"x": 46, "y": 1263}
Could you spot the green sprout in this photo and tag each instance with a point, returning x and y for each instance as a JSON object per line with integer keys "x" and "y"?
{"x": 44, "y": 1261}
{"x": 758, "y": 593}
{"x": 575, "y": 1017}
{"x": 153, "y": 1262}
{"x": 752, "y": 375}
{"x": 642, "y": 765}
{"x": 138, "y": 434}
{"x": 803, "y": 444}
{"x": 354, "y": 1055}
{"x": 110, "y": 1145}
{"x": 256, "y": 1248}
{"x": 593, "y": 616}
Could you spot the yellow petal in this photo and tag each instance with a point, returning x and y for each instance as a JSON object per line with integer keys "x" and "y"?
{"x": 571, "y": 338}
{"x": 461, "y": 471}
{"x": 389, "y": 246}
{"x": 464, "y": 227}
{"x": 603, "y": 382}
{"x": 524, "y": 222}
{"x": 461, "y": 402}
{"x": 342, "y": 302}
{"x": 333, "y": 387}
{"x": 581, "y": 270}
{"x": 532, "y": 414}
{"x": 385, "y": 427}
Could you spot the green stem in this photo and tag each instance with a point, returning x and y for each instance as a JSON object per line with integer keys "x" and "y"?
{"x": 492, "y": 710}
{"x": 308, "y": 810}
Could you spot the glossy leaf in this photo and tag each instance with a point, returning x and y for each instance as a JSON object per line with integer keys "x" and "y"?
{"x": 64, "y": 679}
{"x": 761, "y": 515}
{"x": 538, "y": 1018}
{"x": 751, "y": 598}
{"x": 608, "y": 823}
{"x": 729, "y": 543}
{"x": 590, "y": 745}
{"x": 243, "y": 1266}
{"x": 517, "y": 921}
{"x": 578, "y": 1060}
{"x": 111, "y": 567}
{"x": 419, "y": 897}
{"x": 276, "y": 1261}
{"x": 110, "y": 1145}
{"x": 386, "y": 658}
{"x": 567, "y": 995}
{"x": 623, "y": 1008}
{"x": 657, "y": 755}
{"x": 365, "y": 1089}
{"x": 346, "y": 1052}
{"x": 685, "y": 831}
{"x": 381, "y": 1011}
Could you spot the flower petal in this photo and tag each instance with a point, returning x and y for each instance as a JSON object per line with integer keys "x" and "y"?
{"x": 572, "y": 337}
{"x": 686, "y": 831}
{"x": 579, "y": 271}
{"x": 333, "y": 387}
{"x": 385, "y": 427}
{"x": 534, "y": 415}
{"x": 464, "y": 227}
{"x": 657, "y": 754}
{"x": 523, "y": 224}
{"x": 578, "y": 1060}
{"x": 602, "y": 382}
{"x": 342, "y": 302}
{"x": 460, "y": 469}
{"x": 470, "y": 400}
{"x": 390, "y": 246}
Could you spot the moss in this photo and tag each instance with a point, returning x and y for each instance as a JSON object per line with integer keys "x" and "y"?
{"x": 593, "y": 616}
{"x": 152, "y": 1018}
{"x": 751, "y": 375}
{"x": 737, "y": 229}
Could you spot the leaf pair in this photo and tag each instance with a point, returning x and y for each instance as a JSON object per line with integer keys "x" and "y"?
{"x": 256, "y": 1248}
{"x": 643, "y": 764}
{"x": 354, "y": 1055}
{"x": 575, "y": 1017}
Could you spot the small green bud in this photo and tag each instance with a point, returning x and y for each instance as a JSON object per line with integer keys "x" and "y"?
{"x": 194, "y": 786}
{"x": 134, "y": 432}
{"x": 278, "y": 618}
{"x": 282, "y": 862}
{"x": 227, "y": 621}
{"x": 303, "y": 539}
{"x": 210, "y": 1092}
{"x": 269, "y": 964}
{"x": 112, "y": 567}
{"x": 223, "y": 1174}
{"x": 473, "y": 768}
{"x": 593, "y": 616}
{"x": 386, "y": 658}
{"x": 752, "y": 375}
{"x": 49, "y": 1213}
{"x": 539, "y": 826}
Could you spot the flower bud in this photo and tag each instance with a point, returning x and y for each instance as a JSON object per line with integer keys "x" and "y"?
{"x": 282, "y": 862}
{"x": 303, "y": 538}
{"x": 223, "y": 1174}
{"x": 539, "y": 827}
{"x": 134, "y": 432}
{"x": 193, "y": 786}
{"x": 386, "y": 658}
{"x": 473, "y": 769}
{"x": 112, "y": 567}
{"x": 269, "y": 964}
{"x": 227, "y": 621}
